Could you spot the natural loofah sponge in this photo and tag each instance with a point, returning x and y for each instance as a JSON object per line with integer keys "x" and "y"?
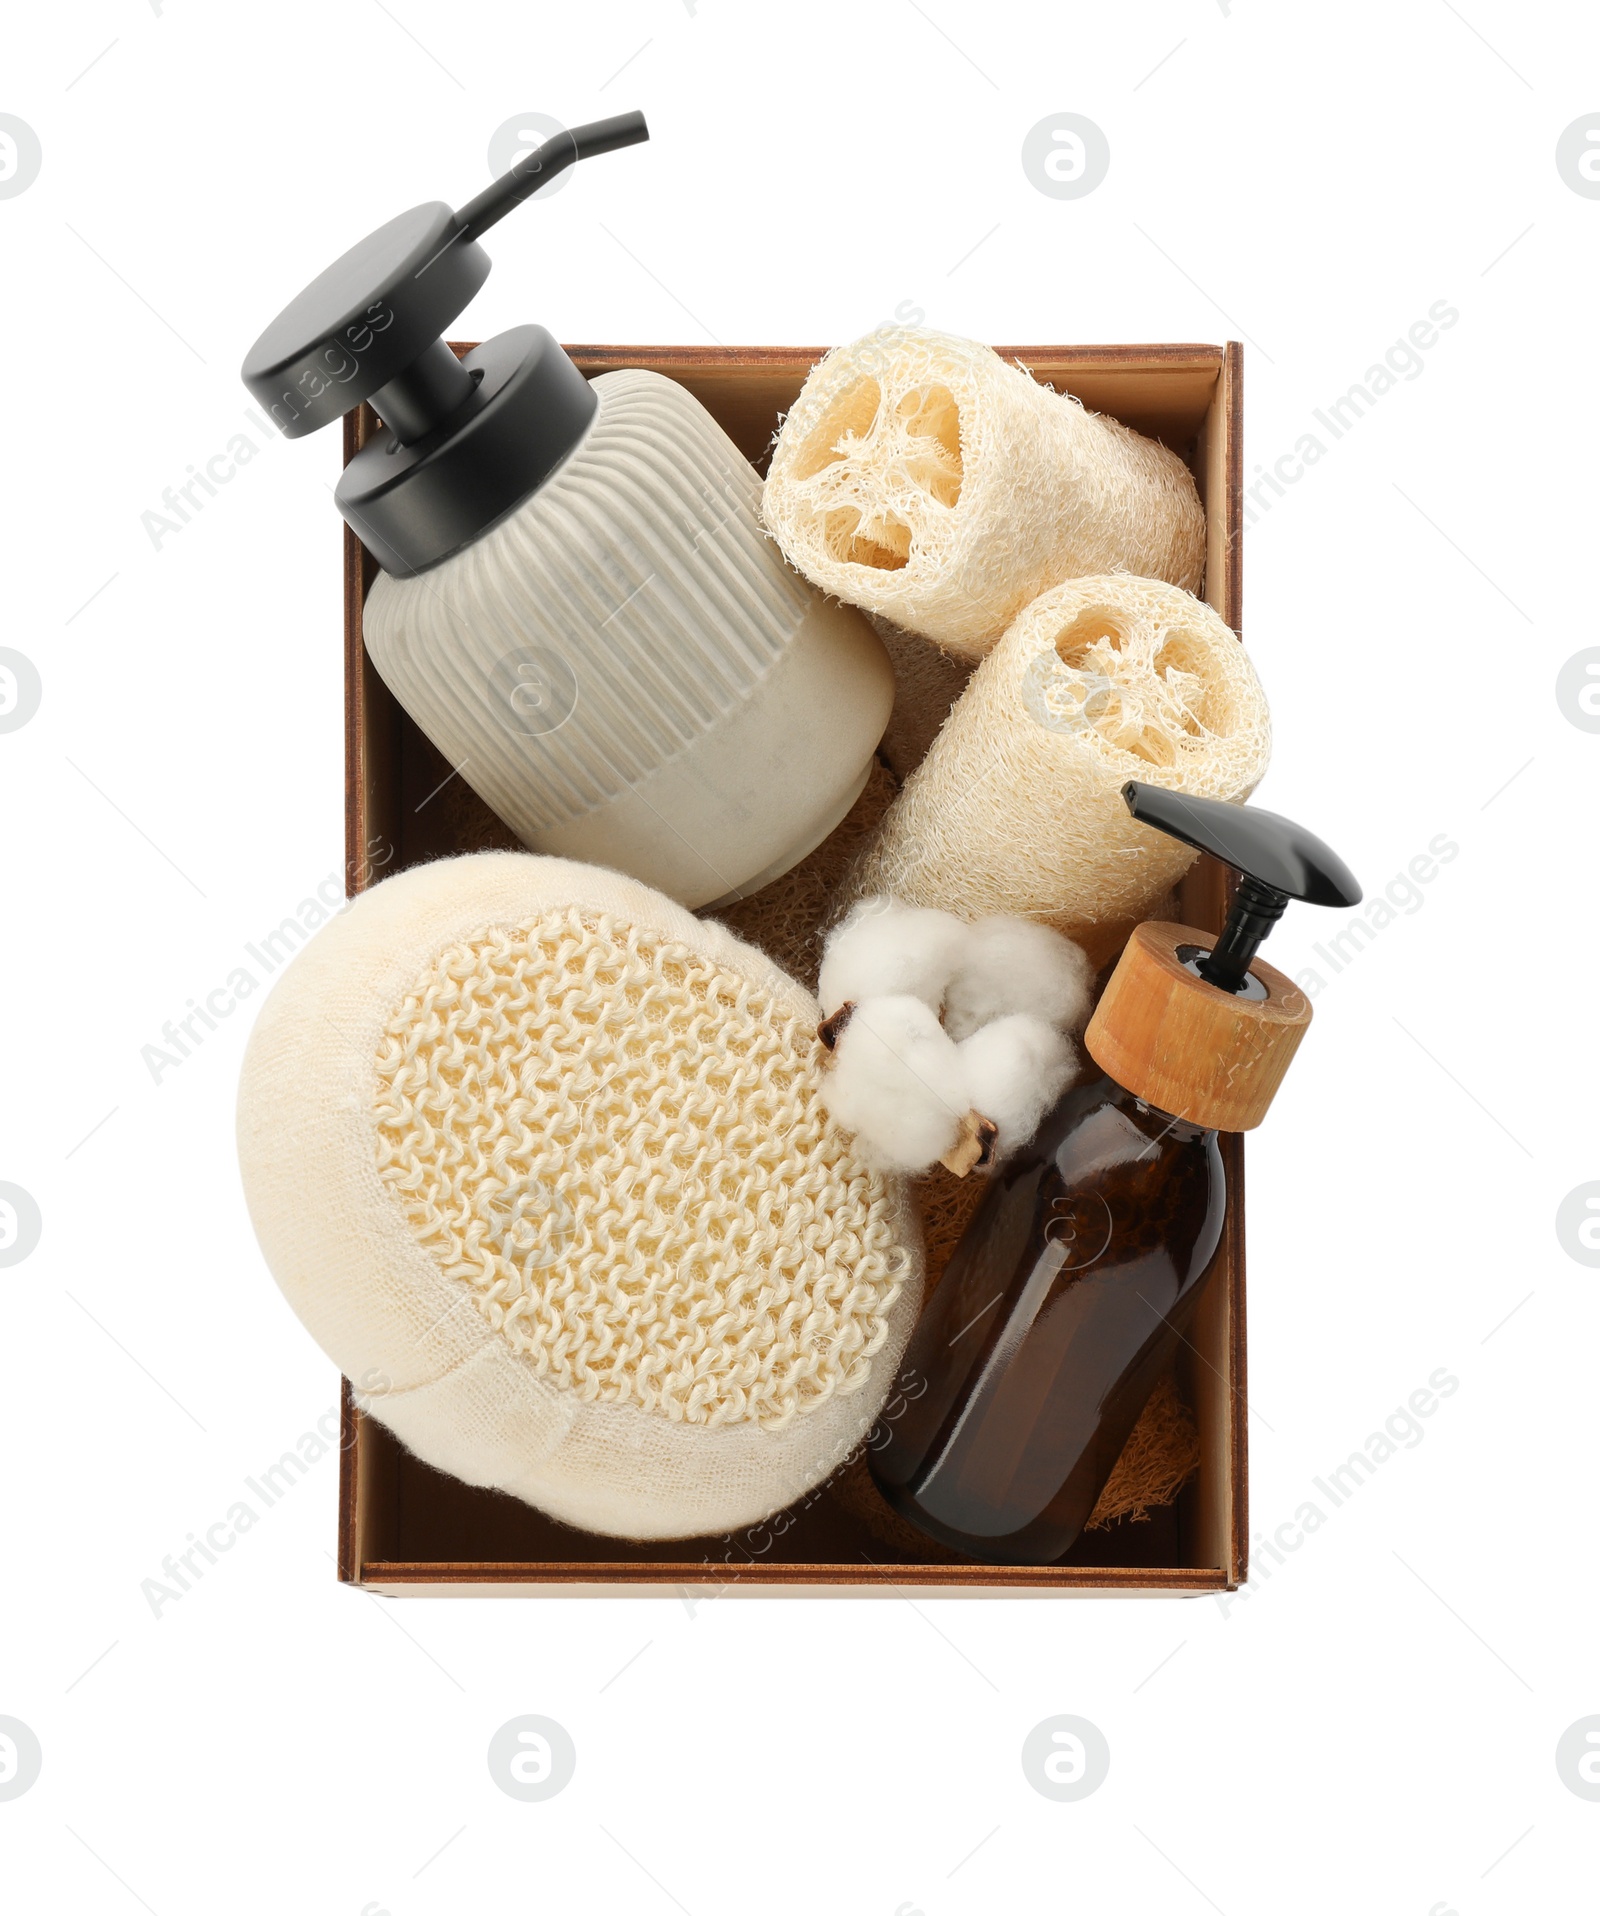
{"x": 924, "y": 478}
{"x": 549, "y": 1155}
{"x": 1018, "y": 809}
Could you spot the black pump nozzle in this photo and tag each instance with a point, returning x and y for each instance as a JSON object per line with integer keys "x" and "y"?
{"x": 475, "y": 438}
{"x": 1275, "y": 858}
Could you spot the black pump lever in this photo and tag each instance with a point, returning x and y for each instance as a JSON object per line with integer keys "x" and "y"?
{"x": 1276, "y": 860}
{"x": 465, "y": 440}
{"x": 541, "y": 166}
{"x": 371, "y": 326}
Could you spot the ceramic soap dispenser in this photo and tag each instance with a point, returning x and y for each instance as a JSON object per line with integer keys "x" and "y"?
{"x": 577, "y": 602}
{"x": 1082, "y": 1266}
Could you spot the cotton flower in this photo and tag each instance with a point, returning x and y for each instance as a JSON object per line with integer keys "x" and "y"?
{"x": 1015, "y": 1069}
{"x": 898, "y": 1083}
{"x": 1005, "y": 965}
{"x": 884, "y": 949}
{"x": 950, "y": 1041}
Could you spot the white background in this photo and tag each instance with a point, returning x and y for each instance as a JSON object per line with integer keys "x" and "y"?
{"x": 1375, "y": 1725}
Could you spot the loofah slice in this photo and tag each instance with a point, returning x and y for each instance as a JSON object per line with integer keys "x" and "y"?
{"x": 924, "y": 478}
{"x": 548, "y": 1155}
{"x": 1018, "y": 808}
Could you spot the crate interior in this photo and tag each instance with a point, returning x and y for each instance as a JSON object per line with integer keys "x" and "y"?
{"x": 405, "y": 1526}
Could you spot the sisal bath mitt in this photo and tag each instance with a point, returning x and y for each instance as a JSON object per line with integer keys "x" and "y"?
{"x": 924, "y": 478}
{"x": 1017, "y": 808}
{"x": 548, "y": 1156}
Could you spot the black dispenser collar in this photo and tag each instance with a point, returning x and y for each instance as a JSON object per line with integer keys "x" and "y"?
{"x": 464, "y": 441}
{"x": 1275, "y": 858}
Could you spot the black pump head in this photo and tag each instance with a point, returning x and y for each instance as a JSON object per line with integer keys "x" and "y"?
{"x": 466, "y": 441}
{"x": 1275, "y": 858}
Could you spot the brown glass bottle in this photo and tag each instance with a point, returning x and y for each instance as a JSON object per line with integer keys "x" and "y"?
{"x": 1040, "y": 1346}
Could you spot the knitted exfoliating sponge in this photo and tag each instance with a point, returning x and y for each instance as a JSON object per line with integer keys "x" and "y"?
{"x": 546, "y": 1155}
{"x": 1018, "y": 805}
{"x": 924, "y": 478}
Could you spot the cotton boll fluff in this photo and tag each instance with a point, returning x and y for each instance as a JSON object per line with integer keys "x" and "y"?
{"x": 950, "y": 1039}
{"x": 1005, "y": 965}
{"x": 886, "y": 949}
{"x": 898, "y": 1083}
{"x": 1016, "y": 1067}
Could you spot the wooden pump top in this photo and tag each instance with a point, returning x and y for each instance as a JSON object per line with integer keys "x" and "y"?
{"x": 1213, "y": 1057}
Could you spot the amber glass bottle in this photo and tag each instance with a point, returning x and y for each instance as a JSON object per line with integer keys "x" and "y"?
{"x": 1063, "y": 1303}
{"x": 1081, "y": 1268}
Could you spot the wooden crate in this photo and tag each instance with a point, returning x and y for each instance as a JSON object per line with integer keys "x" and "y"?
{"x": 408, "y": 1530}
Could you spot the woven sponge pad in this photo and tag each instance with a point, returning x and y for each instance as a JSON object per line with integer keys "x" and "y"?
{"x": 1018, "y": 805}
{"x": 541, "y": 1159}
{"x": 925, "y": 478}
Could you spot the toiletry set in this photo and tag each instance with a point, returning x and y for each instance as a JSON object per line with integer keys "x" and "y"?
{"x": 628, "y": 1217}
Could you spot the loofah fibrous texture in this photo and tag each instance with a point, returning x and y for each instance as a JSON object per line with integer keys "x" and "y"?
{"x": 927, "y": 683}
{"x": 546, "y": 1156}
{"x": 926, "y": 479}
{"x": 617, "y": 1147}
{"x": 1017, "y": 807}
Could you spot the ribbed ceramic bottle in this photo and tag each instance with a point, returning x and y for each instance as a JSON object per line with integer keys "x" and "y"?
{"x": 626, "y": 670}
